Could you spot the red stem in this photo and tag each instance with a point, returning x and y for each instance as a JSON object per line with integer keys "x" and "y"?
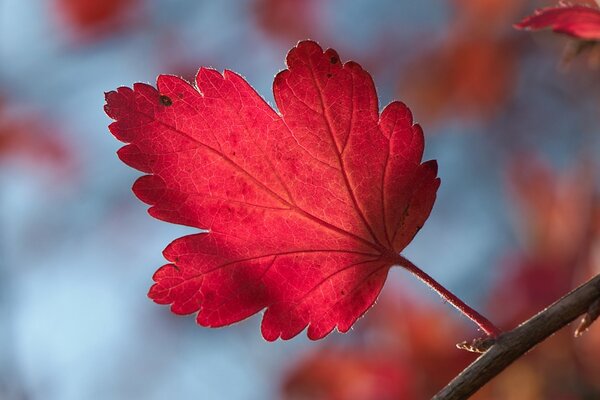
{"x": 488, "y": 327}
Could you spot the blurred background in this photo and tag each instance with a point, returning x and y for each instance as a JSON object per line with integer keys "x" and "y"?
{"x": 512, "y": 117}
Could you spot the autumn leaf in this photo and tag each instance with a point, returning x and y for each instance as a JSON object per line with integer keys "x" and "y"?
{"x": 306, "y": 208}
{"x": 578, "y": 21}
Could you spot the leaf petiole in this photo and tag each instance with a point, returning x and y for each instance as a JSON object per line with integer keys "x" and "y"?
{"x": 488, "y": 327}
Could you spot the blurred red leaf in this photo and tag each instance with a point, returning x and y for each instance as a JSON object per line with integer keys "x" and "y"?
{"x": 26, "y": 136}
{"x": 406, "y": 338}
{"x": 454, "y": 78}
{"x": 91, "y": 19}
{"x": 553, "y": 208}
{"x": 555, "y": 214}
{"x": 420, "y": 335}
{"x": 551, "y": 370}
{"x": 307, "y": 209}
{"x": 578, "y": 21}
{"x": 528, "y": 285}
{"x": 291, "y": 20}
{"x": 486, "y": 15}
{"x": 552, "y": 212}
{"x": 342, "y": 374}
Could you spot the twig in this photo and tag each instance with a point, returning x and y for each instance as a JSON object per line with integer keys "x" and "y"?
{"x": 513, "y": 344}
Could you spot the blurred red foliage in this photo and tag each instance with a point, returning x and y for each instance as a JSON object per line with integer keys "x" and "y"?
{"x": 88, "y": 20}
{"x": 486, "y": 15}
{"x": 401, "y": 338}
{"x": 455, "y": 79}
{"x": 422, "y": 334}
{"x": 289, "y": 20}
{"x": 553, "y": 213}
{"x": 552, "y": 208}
{"x": 557, "y": 215}
{"x": 470, "y": 74}
{"x": 27, "y": 136}
{"x": 339, "y": 374}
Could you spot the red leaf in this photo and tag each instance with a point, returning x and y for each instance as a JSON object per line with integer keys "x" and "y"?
{"x": 578, "y": 21}
{"x": 307, "y": 209}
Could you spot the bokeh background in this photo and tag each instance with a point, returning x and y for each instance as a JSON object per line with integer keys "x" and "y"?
{"x": 512, "y": 117}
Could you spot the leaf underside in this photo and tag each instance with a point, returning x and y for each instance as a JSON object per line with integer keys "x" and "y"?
{"x": 579, "y": 21}
{"x": 306, "y": 209}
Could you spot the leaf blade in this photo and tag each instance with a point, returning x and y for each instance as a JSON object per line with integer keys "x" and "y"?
{"x": 300, "y": 205}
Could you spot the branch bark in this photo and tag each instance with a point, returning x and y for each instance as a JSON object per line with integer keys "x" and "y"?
{"x": 511, "y": 345}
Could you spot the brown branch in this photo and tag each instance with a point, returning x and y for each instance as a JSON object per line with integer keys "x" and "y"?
{"x": 513, "y": 344}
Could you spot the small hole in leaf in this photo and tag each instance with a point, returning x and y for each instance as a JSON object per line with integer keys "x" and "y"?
{"x": 165, "y": 100}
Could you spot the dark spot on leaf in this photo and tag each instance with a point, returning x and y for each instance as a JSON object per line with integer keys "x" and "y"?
{"x": 333, "y": 59}
{"x": 343, "y": 292}
{"x": 329, "y": 75}
{"x": 165, "y": 100}
{"x": 180, "y": 95}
